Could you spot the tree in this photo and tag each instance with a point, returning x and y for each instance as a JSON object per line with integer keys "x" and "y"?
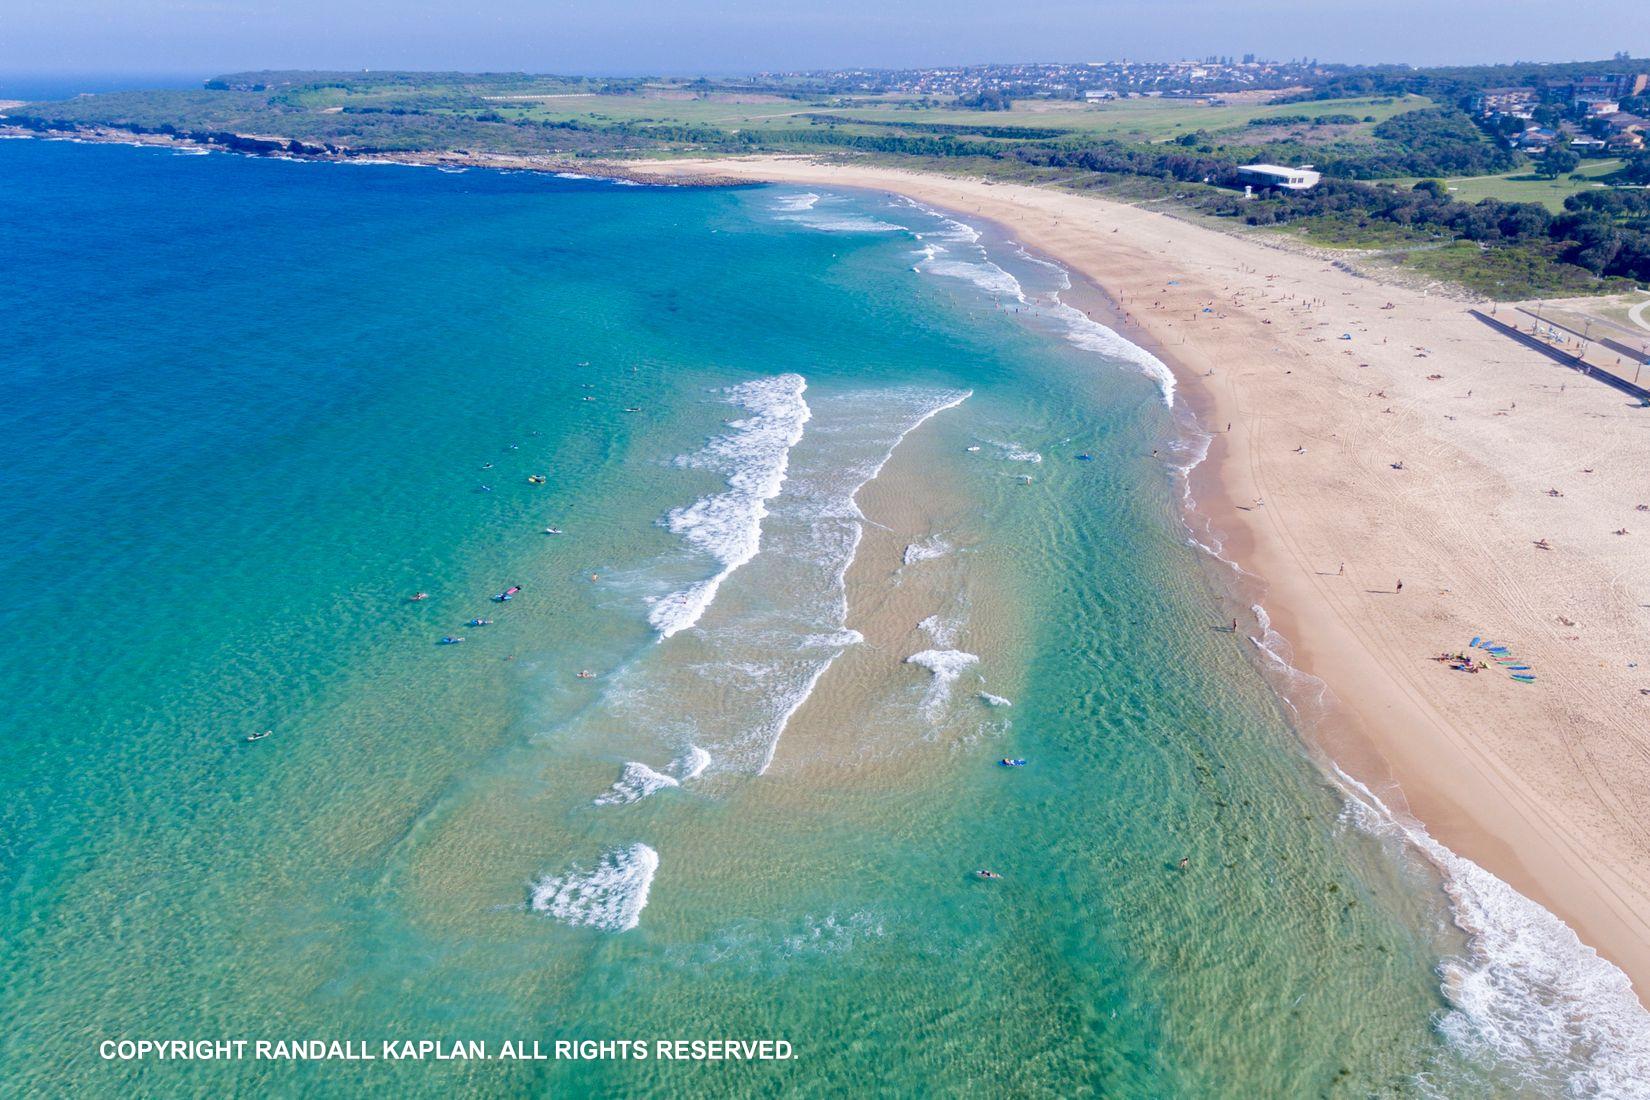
{"x": 1636, "y": 170}
{"x": 1558, "y": 161}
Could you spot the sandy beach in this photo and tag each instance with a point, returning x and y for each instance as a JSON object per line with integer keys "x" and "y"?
{"x": 1367, "y": 434}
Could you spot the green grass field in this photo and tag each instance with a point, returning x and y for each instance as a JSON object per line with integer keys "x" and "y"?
{"x": 1524, "y": 186}
{"x": 1125, "y": 120}
{"x": 1141, "y": 119}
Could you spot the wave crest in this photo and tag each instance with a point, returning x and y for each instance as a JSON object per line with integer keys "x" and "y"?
{"x": 611, "y": 897}
{"x": 728, "y": 525}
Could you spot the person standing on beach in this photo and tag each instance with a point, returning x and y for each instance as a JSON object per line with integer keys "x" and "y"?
{"x": 1400, "y": 587}
{"x": 1342, "y": 571}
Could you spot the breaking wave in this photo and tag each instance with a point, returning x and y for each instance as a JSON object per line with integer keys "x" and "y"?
{"x": 692, "y": 764}
{"x": 831, "y": 217}
{"x": 611, "y": 897}
{"x": 728, "y": 525}
{"x": 635, "y": 783}
{"x": 946, "y": 665}
{"x": 1527, "y": 991}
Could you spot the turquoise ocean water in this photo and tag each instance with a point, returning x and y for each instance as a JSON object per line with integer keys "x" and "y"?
{"x": 850, "y": 507}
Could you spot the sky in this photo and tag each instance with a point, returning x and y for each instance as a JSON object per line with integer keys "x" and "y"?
{"x": 196, "y": 38}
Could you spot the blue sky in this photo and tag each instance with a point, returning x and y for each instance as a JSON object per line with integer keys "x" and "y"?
{"x": 202, "y": 37}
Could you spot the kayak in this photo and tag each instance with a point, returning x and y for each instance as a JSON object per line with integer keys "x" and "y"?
{"x": 449, "y": 640}
{"x": 1014, "y": 763}
{"x": 507, "y": 594}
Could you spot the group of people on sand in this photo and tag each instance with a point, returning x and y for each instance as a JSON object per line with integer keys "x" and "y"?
{"x": 1460, "y": 662}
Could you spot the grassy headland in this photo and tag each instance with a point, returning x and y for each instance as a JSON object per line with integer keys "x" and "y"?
{"x": 1410, "y": 173}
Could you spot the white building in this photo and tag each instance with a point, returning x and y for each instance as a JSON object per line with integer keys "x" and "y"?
{"x": 1598, "y": 105}
{"x": 1275, "y": 175}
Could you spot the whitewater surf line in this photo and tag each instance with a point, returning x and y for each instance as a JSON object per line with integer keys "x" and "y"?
{"x": 728, "y": 525}
{"x": 1528, "y": 990}
{"x": 945, "y": 402}
{"x": 944, "y": 253}
{"x": 1078, "y": 328}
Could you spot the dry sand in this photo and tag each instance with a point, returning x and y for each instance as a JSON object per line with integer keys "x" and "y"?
{"x": 1543, "y": 784}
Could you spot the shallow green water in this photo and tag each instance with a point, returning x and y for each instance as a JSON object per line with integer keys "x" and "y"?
{"x": 248, "y": 409}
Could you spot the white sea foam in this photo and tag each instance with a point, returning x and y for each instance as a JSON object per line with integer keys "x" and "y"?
{"x": 692, "y": 764}
{"x": 1527, "y": 991}
{"x": 784, "y": 619}
{"x": 994, "y": 700}
{"x": 789, "y": 708}
{"x": 989, "y": 277}
{"x": 1013, "y": 452}
{"x": 946, "y": 665}
{"x": 845, "y": 510}
{"x": 728, "y": 525}
{"x": 831, "y": 217}
{"x": 926, "y": 550}
{"x": 955, "y": 252}
{"x": 943, "y": 631}
{"x": 1085, "y": 332}
{"x": 611, "y": 897}
{"x": 839, "y": 638}
{"x": 635, "y": 783}
{"x": 832, "y": 935}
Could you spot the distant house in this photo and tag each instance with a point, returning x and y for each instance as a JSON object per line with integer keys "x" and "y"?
{"x": 1518, "y": 102}
{"x": 1275, "y": 175}
{"x": 1535, "y": 138}
{"x": 1597, "y": 106}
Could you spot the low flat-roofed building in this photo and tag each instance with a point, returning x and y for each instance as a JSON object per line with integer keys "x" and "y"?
{"x": 1275, "y": 175}
{"x": 1597, "y": 105}
{"x": 1507, "y": 101}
